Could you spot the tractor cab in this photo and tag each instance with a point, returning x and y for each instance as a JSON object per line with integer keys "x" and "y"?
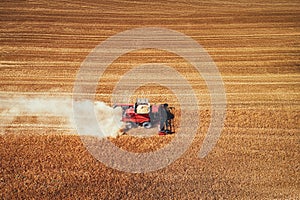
{"x": 142, "y": 106}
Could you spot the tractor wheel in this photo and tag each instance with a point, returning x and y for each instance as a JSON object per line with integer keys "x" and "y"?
{"x": 129, "y": 125}
{"x": 147, "y": 125}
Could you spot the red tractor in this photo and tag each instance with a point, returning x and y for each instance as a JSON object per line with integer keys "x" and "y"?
{"x": 143, "y": 114}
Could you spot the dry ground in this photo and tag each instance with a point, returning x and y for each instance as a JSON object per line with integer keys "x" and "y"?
{"x": 255, "y": 45}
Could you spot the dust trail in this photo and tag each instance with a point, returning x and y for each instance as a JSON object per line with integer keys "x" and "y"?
{"x": 12, "y": 107}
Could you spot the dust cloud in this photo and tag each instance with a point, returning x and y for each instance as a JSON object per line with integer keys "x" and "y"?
{"x": 41, "y": 107}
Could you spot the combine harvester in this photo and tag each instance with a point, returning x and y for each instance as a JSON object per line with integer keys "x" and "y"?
{"x": 143, "y": 114}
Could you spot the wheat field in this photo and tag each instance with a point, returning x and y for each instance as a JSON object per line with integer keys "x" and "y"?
{"x": 254, "y": 44}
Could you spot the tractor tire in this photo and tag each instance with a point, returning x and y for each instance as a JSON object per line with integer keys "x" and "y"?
{"x": 147, "y": 125}
{"x": 129, "y": 125}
